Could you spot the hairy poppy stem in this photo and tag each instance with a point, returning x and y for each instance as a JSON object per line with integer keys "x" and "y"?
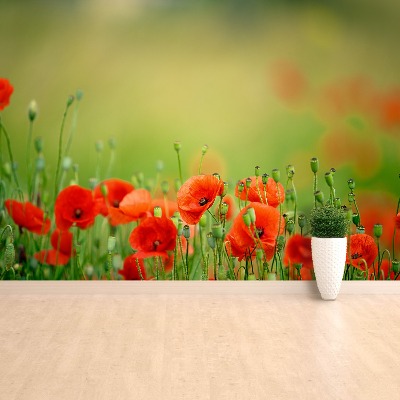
{"x": 28, "y": 161}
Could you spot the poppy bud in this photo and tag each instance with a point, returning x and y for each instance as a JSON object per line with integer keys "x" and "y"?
{"x": 180, "y": 227}
{"x": 135, "y": 181}
{"x": 378, "y": 230}
{"x": 319, "y": 196}
{"x": 290, "y": 171}
{"x": 225, "y": 189}
{"x": 178, "y": 184}
{"x": 175, "y": 220}
{"x": 259, "y": 254}
{"x": 9, "y": 256}
{"x": 224, "y": 208}
{"x": 252, "y": 212}
{"x": 395, "y": 266}
{"x": 99, "y": 146}
{"x": 360, "y": 229}
{"x": 32, "y": 110}
{"x": 351, "y": 184}
{"x": 186, "y": 232}
{"x": 7, "y": 169}
{"x": 276, "y": 175}
{"x": 111, "y": 243}
{"x": 240, "y": 187}
{"x": 338, "y": 202}
{"x": 70, "y": 100}
{"x": 280, "y": 242}
{"x": 40, "y": 163}
{"x": 314, "y": 163}
{"x": 203, "y": 221}
{"x": 329, "y": 178}
{"x": 159, "y": 166}
{"x": 204, "y": 149}
{"x": 93, "y": 183}
{"x": 89, "y": 270}
{"x": 217, "y": 175}
{"x": 257, "y": 171}
{"x": 112, "y": 143}
{"x": 351, "y": 197}
{"x": 165, "y": 187}
{"x": 79, "y": 94}
{"x": 333, "y": 170}
{"x": 211, "y": 240}
{"x": 157, "y": 211}
{"x": 177, "y": 146}
{"x": 265, "y": 178}
{"x": 301, "y": 220}
{"x": 356, "y": 219}
{"x": 290, "y": 226}
{"x": 66, "y": 163}
{"x": 38, "y": 144}
{"x": 248, "y": 183}
{"x": 246, "y": 219}
{"x": 217, "y": 231}
{"x": 104, "y": 190}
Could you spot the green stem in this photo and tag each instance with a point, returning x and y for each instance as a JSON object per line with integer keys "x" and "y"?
{"x": 2, "y": 127}
{"x": 60, "y": 150}
{"x": 28, "y": 161}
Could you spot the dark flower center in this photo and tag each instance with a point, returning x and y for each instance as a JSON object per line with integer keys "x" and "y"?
{"x": 356, "y": 255}
{"x": 260, "y": 231}
{"x": 78, "y": 213}
{"x": 203, "y": 201}
{"x": 156, "y": 243}
{"x": 116, "y": 203}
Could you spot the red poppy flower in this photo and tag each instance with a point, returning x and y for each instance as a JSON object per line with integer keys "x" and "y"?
{"x": 362, "y": 247}
{"x": 60, "y": 254}
{"x": 75, "y": 205}
{"x": 6, "y": 90}
{"x": 133, "y": 206}
{"x": 254, "y": 194}
{"x": 241, "y": 240}
{"x": 196, "y": 196}
{"x": 153, "y": 237}
{"x": 168, "y": 207}
{"x": 117, "y": 189}
{"x": 130, "y": 270}
{"x": 28, "y": 216}
{"x": 298, "y": 251}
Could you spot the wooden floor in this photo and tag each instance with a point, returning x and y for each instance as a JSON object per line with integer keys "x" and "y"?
{"x": 199, "y": 347}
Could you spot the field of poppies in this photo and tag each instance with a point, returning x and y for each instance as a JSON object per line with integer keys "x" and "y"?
{"x": 55, "y": 227}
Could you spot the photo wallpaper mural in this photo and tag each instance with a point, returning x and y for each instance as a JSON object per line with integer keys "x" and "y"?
{"x": 194, "y": 140}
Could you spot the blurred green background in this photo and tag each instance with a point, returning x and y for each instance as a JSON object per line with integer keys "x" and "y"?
{"x": 261, "y": 82}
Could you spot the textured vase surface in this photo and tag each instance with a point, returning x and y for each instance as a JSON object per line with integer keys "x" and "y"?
{"x": 329, "y": 259}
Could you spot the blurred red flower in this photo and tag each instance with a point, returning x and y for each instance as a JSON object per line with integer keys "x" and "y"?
{"x": 298, "y": 251}
{"x": 116, "y": 190}
{"x": 60, "y": 254}
{"x": 254, "y": 194}
{"x": 28, "y": 216}
{"x": 362, "y": 247}
{"x": 6, "y": 90}
{"x": 75, "y": 205}
{"x": 241, "y": 240}
{"x": 132, "y": 207}
{"x": 153, "y": 237}
{"x": 397, "y": 221}
{"x": 196, "y": 196}
{"x": 130, "y": 270}
{"x": 390, "y": 110}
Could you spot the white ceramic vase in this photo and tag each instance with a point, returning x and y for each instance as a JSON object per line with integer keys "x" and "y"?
{"x": 329, "y": 259}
